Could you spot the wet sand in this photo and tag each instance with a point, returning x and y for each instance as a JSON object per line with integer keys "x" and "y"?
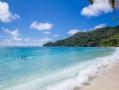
{"x": 108, "y": 79}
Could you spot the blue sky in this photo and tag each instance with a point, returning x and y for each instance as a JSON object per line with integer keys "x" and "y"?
{"x": 34, "y": 22}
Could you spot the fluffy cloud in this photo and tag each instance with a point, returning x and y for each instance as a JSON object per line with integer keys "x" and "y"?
{"x": 45, "y": 39}
{"x": 15, "y": 39}
{"x": 73, "y": 31}
{"x": 15, "y": 35}
{"x": 47, "y": 32}
{"x": 41, "y": 26}
{"x": 36, "y": 42}
{"x": 56, "y": 35}
{"x": 25, "y": 42}
{"x": 5, "y": 14}
{"x": 100, "y": 26}
{"x": 99, "y": 7}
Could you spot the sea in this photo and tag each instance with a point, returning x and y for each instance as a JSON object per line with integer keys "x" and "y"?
{"x": 49, "y": 68}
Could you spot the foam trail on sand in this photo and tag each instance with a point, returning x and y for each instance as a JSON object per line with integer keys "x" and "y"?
{"x": 85, "y": 76}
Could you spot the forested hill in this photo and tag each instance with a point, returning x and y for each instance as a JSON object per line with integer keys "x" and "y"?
{"x": 107, "y": 36}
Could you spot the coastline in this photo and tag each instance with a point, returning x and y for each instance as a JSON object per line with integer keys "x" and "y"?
{"x": 86, "y": 76}
{"x": 106, "y": 79}
{"x": 78, "y": 76}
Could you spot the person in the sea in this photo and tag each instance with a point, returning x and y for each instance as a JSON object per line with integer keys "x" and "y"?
{"x": 24, "y": 57}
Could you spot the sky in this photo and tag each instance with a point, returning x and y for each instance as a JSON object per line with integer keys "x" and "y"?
{"x": 35, "y": 22}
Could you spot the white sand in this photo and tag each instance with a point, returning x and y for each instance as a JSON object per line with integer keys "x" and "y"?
{"x": 108, "y": 79}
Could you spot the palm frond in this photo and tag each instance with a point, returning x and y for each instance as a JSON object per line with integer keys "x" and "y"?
{"x": 112, "y": 3}
{"x": 91, "y": 1}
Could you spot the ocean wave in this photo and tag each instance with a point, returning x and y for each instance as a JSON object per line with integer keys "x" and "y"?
{"x": 75, "y": 76}
{"x": 85, "y": 76}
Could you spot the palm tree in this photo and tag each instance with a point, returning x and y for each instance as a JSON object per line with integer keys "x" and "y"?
{"x": 91, "y": 1}
{"x": 113, "y": 5}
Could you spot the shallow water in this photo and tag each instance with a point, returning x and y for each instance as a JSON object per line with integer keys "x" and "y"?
{"x": 23, "y": 64}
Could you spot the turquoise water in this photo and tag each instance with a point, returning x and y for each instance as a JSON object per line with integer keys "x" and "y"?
{"x": 19, "y": 64}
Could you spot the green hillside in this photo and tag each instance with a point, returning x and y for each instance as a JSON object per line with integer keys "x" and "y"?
{"x": 107, "y": 36}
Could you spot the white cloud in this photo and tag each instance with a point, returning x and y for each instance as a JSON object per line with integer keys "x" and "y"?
{"x": 95, "y": 27}
{"x": 99, "y": 7}
{"x": 73, "y": 31}
{"x": 15, "y": 35}
{"x": 56, "y": 35}
{"x": 25, "y": 41}
{"x": 41, "y": 26}
{"x": 35, "y": 42}
{"x": 15, "y": 39}
{"x": 5, "y": 14}
{"x": 40, "y": 41}
{"x": 100, "y": 26}
{"x": 46, "y": 32}
{"x": 45, "y": 39}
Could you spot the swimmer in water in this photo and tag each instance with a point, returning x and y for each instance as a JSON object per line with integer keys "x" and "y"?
{"x": 23, "y": 57}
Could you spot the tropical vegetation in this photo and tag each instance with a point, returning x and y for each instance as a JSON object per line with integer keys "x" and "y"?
{"x": 106, "y": 36}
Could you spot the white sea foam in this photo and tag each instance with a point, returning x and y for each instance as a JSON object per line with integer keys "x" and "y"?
{"x": 76, "y": 76}
{"x": 85, "y": 76}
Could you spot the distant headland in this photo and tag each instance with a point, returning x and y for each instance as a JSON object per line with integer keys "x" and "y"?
{"x": 106, "y": 36}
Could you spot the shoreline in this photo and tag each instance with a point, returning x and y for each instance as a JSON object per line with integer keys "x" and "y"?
{"x": 106, "y": 79}
{"x": 79, "y": 80}
{"x": 85, "y": 77}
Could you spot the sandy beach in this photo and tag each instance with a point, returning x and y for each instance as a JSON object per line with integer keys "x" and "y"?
{"x": 108, "y": 79}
